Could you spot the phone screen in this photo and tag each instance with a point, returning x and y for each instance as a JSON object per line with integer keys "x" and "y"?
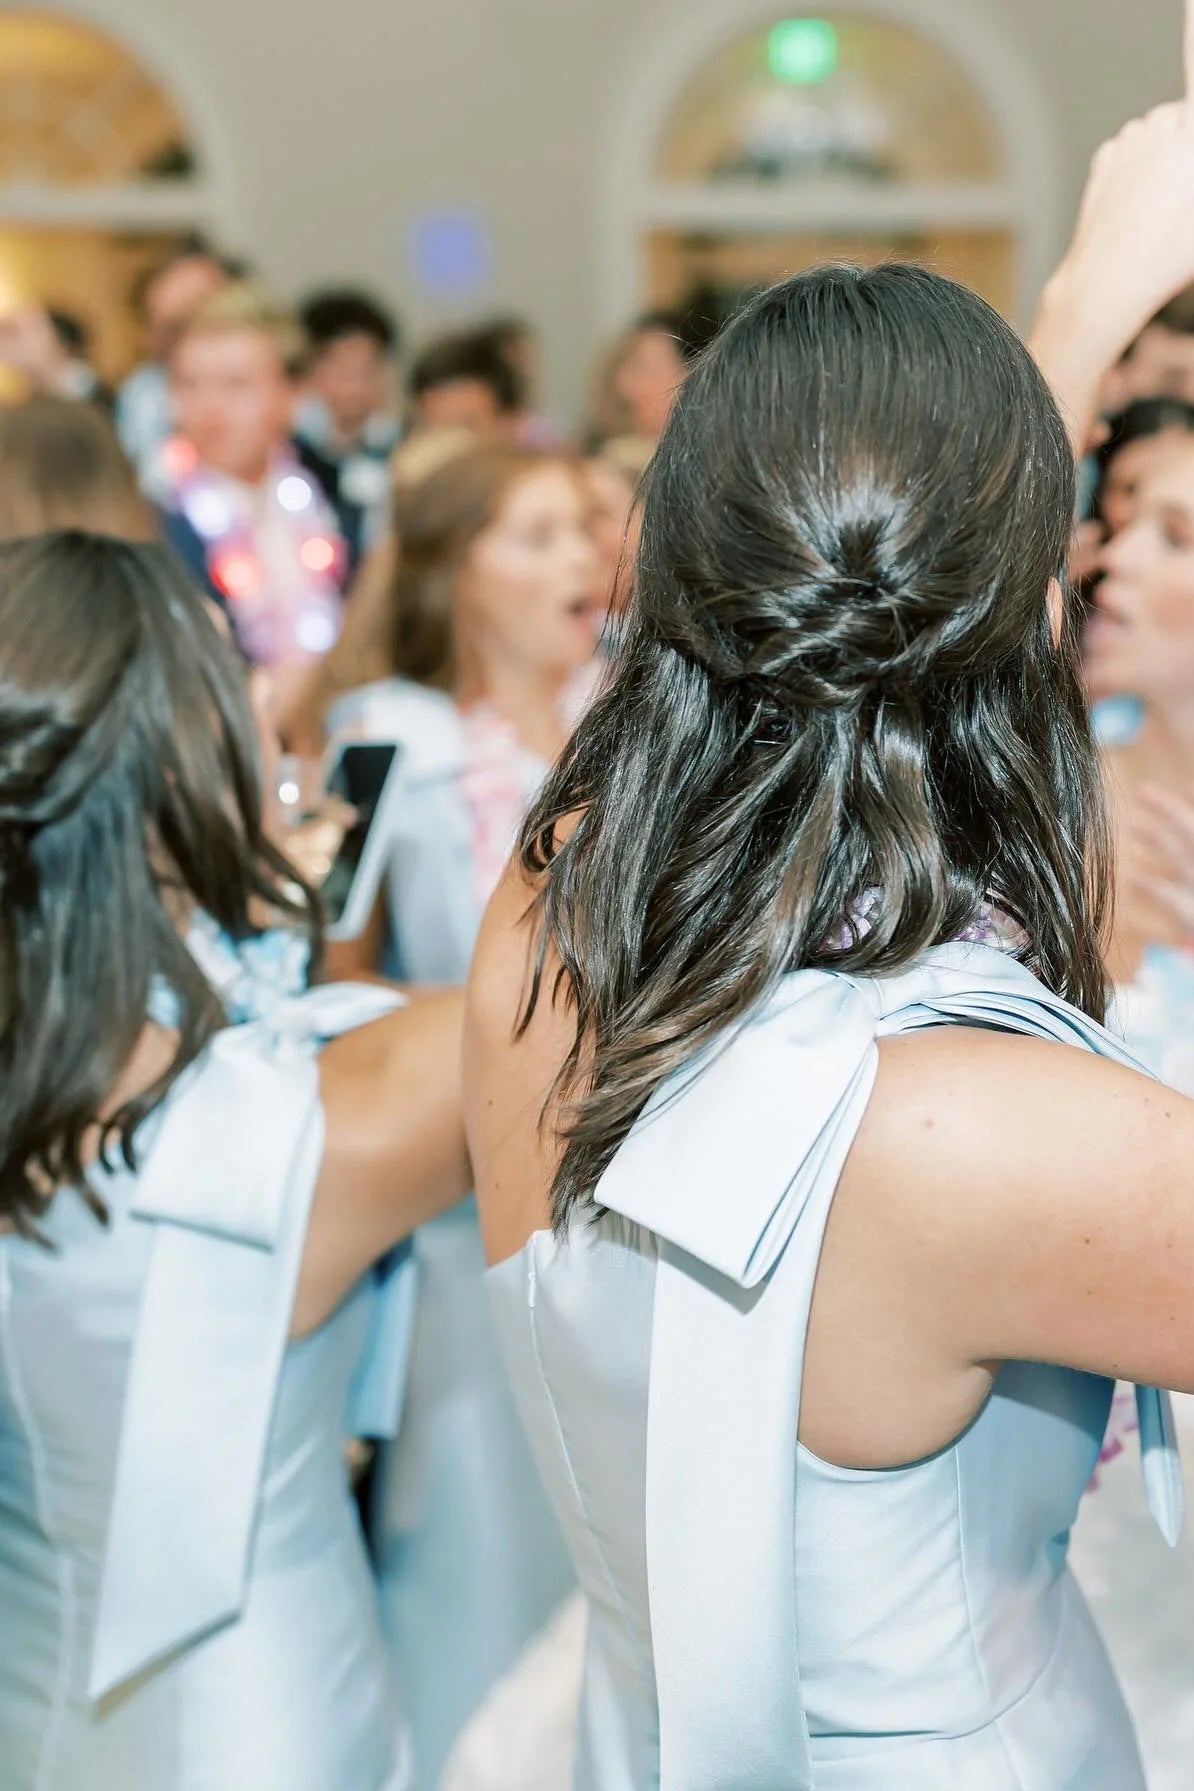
{"x": 358, "y": 777}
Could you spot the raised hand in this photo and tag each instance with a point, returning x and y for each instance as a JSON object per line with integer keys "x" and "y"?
{"x": 1136, "y": 223}
{"x": 1132, "y": 249}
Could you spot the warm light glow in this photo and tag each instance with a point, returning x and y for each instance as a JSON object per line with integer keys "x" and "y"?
{"x": 802, "y": 52}
{"x": 318, "y": 554}
{"x": 237, "y": 574}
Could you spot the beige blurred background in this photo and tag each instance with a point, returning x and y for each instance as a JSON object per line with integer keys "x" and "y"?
{"x": 574, "y": 160}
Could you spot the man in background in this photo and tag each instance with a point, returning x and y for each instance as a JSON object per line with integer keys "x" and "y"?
{"x": 235, "y": 503}
{"x": 169, "y": 295}
{"x": 347, "y": 425}
{"x": 466, "y": 381}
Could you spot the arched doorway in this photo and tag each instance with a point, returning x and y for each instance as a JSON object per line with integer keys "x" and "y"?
{"x": 758, "y": 140}
{"x": 101, "y": 173}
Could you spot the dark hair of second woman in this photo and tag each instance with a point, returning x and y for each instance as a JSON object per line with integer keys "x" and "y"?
{"x": 841, "y": 667}
{"x": 129, "y": 797}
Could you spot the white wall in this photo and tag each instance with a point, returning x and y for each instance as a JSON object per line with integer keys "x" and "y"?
{"x": 340, "y": 119}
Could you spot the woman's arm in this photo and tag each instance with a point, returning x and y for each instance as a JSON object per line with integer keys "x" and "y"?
{"x": 1132, "y": 251}
{"x": 394, "y": 1152}
{"x": 358, "y": 960}
{"x": 1031, "y": 1202}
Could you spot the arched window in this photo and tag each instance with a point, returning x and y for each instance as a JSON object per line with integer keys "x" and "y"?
{"x": 853, "y": 132}
{"x": 101, "y": 173}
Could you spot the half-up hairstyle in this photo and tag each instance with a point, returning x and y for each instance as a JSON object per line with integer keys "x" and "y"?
{"x": 130, "y": 795}
{"x": 839, "y": 693}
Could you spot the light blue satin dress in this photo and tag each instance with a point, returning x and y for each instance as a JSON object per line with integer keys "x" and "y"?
{"x": 186, "y": 1600}
{"x": 759, "y": 1618}
{"x": 471, "y": 1563}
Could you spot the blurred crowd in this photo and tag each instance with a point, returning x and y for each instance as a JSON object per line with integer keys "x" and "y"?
{"x": 267, "y": 443}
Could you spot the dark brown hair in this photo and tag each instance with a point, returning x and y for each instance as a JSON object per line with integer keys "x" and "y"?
{"x": 436, "y": 522}
{"x": 61, "y": 467}
{"x": 839, "y": 666}
{"x": 129, "y": 795}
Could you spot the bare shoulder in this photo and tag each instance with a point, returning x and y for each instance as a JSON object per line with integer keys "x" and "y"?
{"x": 500, "y": 972}
{"x": 511, "y": 1061}
{"x": 362, "y": 1071}
{"x": 1006, "y": 1113}
{"x": 1034, "y": 1195}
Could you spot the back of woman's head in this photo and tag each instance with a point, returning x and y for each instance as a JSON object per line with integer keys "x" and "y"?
{"x": 129, "y": 798}
{"x": 437, "y": 519}
{"x": 840, "y": 667}
{"x": 61, "y": 467}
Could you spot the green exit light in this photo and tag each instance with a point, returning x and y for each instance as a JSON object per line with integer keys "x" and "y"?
{"x": 802, "y": 51}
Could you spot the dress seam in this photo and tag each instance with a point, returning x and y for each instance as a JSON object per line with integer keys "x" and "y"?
{"x": 582, "y": 1506}
{"x": 996, "y": 1717}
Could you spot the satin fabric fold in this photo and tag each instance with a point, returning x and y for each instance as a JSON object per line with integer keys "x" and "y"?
{"x": 732, "y": 1304}
{"x": 230, "y": 1217}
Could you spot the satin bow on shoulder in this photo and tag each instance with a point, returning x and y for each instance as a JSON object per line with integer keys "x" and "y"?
{"x": 733, "y": 1164}
{"x": 226, "y": 1184}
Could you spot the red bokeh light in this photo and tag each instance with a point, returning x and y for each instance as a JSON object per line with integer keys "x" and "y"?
{"x": 179, "y": 457}
{"x": 237, "y": 574}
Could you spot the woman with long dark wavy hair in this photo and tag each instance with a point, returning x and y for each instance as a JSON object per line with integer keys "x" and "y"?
{"x": 814, "y": 1249}
{"x": 198, "y": 1168}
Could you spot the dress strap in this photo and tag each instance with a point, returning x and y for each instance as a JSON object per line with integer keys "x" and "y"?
{"x": 226, "y": 1184}
{"x": 733, "y": 1165}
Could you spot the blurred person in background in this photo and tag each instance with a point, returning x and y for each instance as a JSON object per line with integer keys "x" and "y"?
{"x": 491, "y": 642}
{"x": 61, "y": 467}
{"x": 49, "y": 348}
{"x": 612, "y": 478}
{"x": 1137, "y": 439}
{"x": 467, "y": 381}
{"x": 167, "y": 297}
{"x": 346, "y": 427}
{"x": 657, "y": 353}
{"x": 518, "y": 341}
{"x": 1160, "y": 362}
{"x": 77, "y": 377}
{"x": 1139, "y": 656}
{"x": 201, "y": 1162}
{"x": 1134, "y": 438}
{"x": 363, "y": 653}
{"x": 245, "y": 517}
{"x": 651, "y": 371}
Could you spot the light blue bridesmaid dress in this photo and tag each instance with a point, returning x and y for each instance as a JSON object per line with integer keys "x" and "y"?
{"x": 186, "y": 1600}
{"x": 759, "y": 1618}
{"x": 471, "y": 1563}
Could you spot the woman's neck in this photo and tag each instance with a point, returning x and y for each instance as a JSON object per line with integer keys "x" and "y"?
{"x": 526, "y": 697}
